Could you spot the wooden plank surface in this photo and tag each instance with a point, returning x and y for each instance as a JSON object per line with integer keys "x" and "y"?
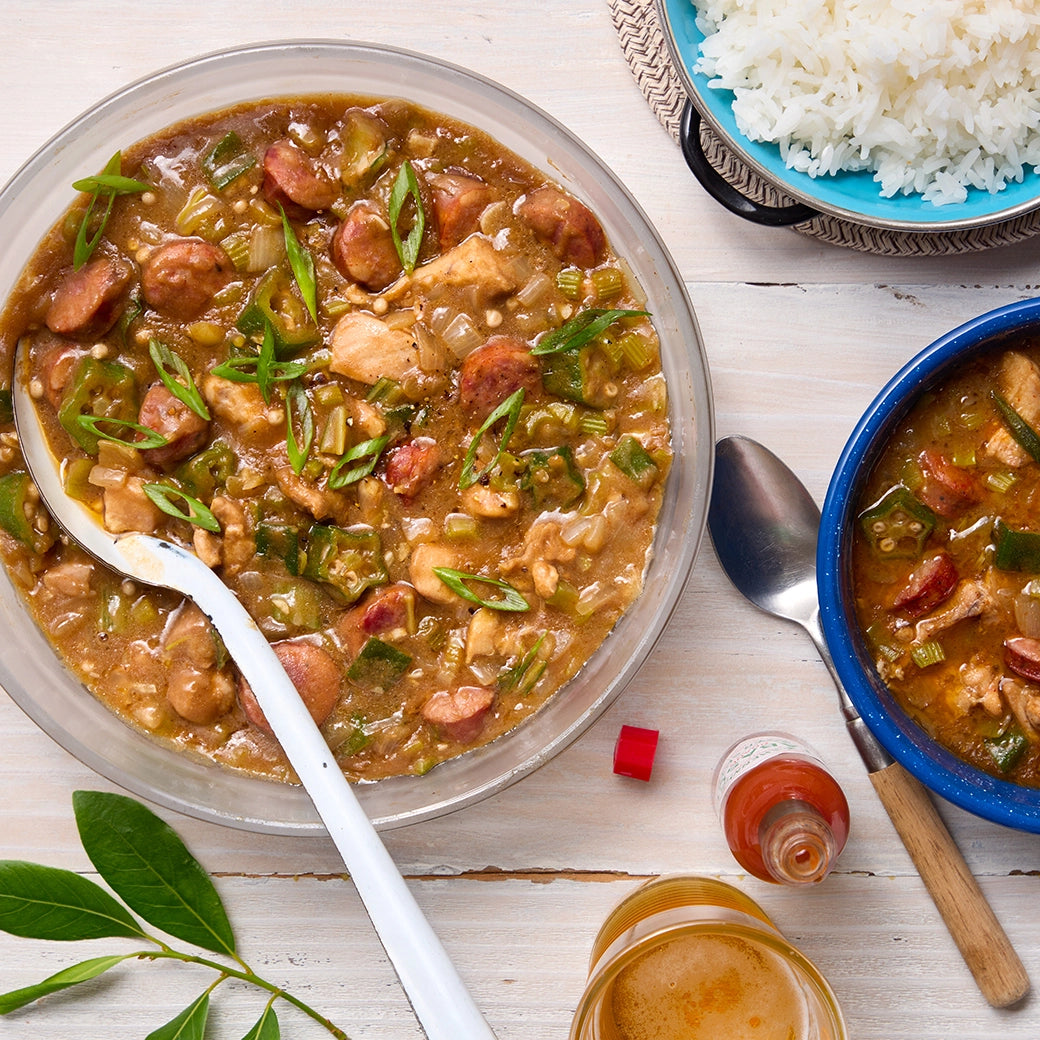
{"x": 799, "y": 338}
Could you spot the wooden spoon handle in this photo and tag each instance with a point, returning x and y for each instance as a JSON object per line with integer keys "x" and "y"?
{"x": 978, "y": 934}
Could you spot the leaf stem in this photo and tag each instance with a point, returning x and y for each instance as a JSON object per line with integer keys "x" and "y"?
{"x": 245, "y": 974}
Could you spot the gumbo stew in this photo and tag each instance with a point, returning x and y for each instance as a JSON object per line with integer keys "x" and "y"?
{"x": 379, "y": 373}
{"x": 946, "y": 563}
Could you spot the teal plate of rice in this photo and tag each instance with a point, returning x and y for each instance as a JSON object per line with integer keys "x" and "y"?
{"x": 911, "y": 116}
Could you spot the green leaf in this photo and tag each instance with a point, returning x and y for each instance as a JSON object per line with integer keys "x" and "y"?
{"x": 297, "y": 403}
{"x": 509, "y": 410}
{"x": 585, "y": 326}
{"x": 198, "y": 513}
{"x": 512, "y": 599}
{"x": 365, "y": 455}
{"x": 302, "y": 263}
{"x": 406, "y": 185}
{"x": 266, "y": 1027}
{"x": 100, "y": 427}
{"x": 82, "y": 972}
{"x": 109, "y": 183}
{"x": 183, "y": 388}
{"x": 38, "y": 902}
{"x": 190, "y": 1024}
{"x": 145, "y": 862}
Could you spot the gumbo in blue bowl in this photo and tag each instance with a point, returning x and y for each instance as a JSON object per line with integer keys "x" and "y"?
{"x": 929, "y": 566}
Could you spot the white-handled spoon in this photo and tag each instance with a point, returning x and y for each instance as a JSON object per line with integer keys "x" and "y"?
{"x": 764, "y": 526}
{"x": 440, "y": 1000}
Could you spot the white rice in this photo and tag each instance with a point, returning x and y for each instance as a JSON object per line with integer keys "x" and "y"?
{"x": 934, "y": 96}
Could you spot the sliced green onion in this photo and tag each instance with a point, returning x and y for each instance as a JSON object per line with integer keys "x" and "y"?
{"x": 302, "y": 263}
{"x": 456, "y": 581}
{"x": 511, "y": 677}
{"x": 109, "y": 183}
{"x": 1026, "y": 436}
{"x": 361, "y": 459}
{"x": 197, "y": 514}
{"x": 582, "y": 328}
{"x": 509, "y": 410}
{"x": 407, "y": 184}
{"x": 227, "y": 160}
{"x": 93, "y": 424}
{"x": 184, "y": 389}
{"x": 296, "y": 400}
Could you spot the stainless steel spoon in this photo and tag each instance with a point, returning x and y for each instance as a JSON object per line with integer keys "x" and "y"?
{"x": 438, "y": 996}
{"x": 764, "y": 525}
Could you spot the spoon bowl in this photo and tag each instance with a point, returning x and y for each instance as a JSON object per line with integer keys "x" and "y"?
{"x": 437, "y": 994}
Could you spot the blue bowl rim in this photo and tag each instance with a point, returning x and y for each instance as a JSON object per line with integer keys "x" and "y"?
{"x": 852, "y": 196}
{"x": 963, "y": 785}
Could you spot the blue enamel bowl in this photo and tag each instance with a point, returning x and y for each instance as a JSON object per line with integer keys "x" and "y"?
{"x": 955, "y": 780}
{"x": 852, "y": 196}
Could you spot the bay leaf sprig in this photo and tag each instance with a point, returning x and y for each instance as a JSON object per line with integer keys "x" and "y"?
{"x": 155, "y": 879}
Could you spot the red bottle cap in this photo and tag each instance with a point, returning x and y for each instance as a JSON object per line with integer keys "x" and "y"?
{"x": 634, "y": 752}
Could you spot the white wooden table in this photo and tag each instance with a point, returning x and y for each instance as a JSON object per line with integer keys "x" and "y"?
{"x": 799, "y": 336}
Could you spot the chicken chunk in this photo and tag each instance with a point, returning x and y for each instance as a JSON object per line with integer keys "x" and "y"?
{"x": 970, "y": 599}
{"x": 367, "y": 349}
{"x": 473, "y": 262}
{"x": 1020, "y": 385}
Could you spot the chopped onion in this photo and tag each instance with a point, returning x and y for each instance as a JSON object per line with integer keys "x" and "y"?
{"x": 461, "y": 336}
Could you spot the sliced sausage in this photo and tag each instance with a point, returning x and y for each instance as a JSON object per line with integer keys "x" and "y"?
{"x": 185, "y": 431}
{"x": 311, "y": 670}
{"x": 929, "y": 585}
{"x": 498, "y": 368}
{"x": 197, "y": 689}
{"x": 459, "y": 714}
{"x": 411, "y": 466}
{"x": 55, "y": 363}
{"x": 363, "y": 249}
{"x": 383, "y": 610}
{"x": 180, "y": 277}
{"x": 293, "y": 178}
{"x": 1022, "y": 655}
{"x": 88, "y": 302}
{"x": 947, "y": 488}
{"x": 566, "y": 224}
{"x": 459, "y": 198}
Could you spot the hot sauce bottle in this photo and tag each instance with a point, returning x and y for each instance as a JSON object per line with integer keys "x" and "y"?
{"x": 784, "y": 816}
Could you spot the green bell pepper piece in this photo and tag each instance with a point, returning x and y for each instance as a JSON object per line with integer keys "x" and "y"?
{"x": 633, "y": 459}
{"x": 290, "y": 336}
{"x": 378, "y": 665}
{"x": 1016, "y": 550}
{"x": 102, "y": 389}
{"x": 349, "y": 560}
{"x": 1007, "y": 749}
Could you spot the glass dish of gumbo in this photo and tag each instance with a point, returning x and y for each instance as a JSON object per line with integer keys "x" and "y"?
{"x": 946, "y": 562}
{"x": 387, "y": 380}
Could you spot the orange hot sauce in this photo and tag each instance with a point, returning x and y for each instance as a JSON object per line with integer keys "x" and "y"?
{"x": 785, "y": 817}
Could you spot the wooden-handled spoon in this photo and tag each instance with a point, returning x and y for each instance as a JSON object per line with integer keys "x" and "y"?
{"x": 764, "y": 526}
{"x": 438, "y": 997}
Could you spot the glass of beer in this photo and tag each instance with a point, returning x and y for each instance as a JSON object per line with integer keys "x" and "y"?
{"x": 693, "y": 958}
